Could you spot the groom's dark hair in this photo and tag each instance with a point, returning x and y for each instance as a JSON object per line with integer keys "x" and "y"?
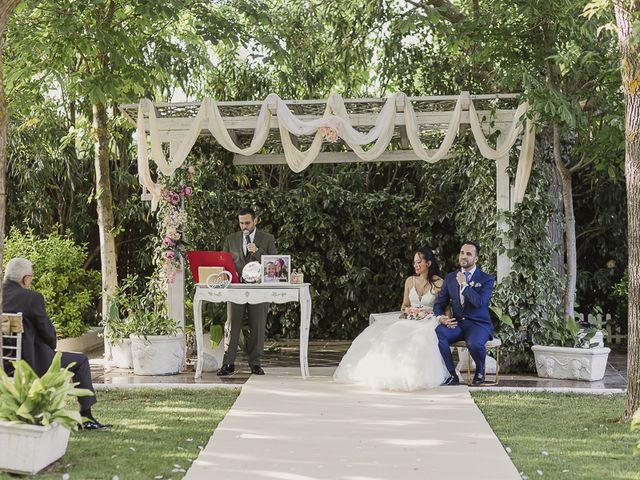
{"x": 477, "y": 247}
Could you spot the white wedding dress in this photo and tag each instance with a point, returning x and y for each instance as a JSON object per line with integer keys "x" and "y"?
{"x": 394, "y": 354}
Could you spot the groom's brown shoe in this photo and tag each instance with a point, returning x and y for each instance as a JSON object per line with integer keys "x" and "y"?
{"x": 452, "y": 380}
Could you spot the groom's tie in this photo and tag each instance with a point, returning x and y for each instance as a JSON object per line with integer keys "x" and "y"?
{"x": 467, "y": 276}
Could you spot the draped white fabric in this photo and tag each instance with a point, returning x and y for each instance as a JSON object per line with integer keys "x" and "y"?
{"x": 336, "y": 118}
{"x": 526, "y": 162}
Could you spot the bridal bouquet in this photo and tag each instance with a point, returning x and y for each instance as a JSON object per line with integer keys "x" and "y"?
{"x": 417, "y": 313}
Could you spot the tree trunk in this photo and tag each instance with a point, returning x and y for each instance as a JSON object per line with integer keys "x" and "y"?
{"x": 6, "y": 7}
{"x": 569, "y": 227}
{"x": 104, "y": 201}
{"x": 627, "y": 13}
{"x": 571, "y": 270}
{"x": 555, "y": 229}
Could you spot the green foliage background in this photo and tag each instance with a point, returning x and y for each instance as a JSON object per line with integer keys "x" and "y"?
{"x": 70, "y": 290}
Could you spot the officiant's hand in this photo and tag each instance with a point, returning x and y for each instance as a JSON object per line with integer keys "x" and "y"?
{"x": 252, "y": 248}
{"x": 448, "y": 322}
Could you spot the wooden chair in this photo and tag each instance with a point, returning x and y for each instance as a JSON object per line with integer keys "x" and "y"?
{"x": 494, "y": 344}
{"x": 12, "y": 349}
{"x": 10, "y": 337}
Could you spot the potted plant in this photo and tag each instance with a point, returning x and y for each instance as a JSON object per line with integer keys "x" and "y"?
{"x": 564, "y": 350}
{"x": 157, "y": 345}
{"x": 117, "y": 331}
{"x": 34, "y": 420}
{"x": 118, "y": 325}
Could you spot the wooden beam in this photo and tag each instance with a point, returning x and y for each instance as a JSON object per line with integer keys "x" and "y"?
{"x": 329, "y": 157}
{"x": 258, "y": 103}
{"x": 438, "y": 120}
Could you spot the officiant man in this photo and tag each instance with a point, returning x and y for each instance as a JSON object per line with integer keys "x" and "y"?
{"x": 246, "y": 245}
{"x": 39, "y": 337}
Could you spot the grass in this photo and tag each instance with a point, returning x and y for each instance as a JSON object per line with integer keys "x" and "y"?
{"x": 157, "y": 434}
{"x": 563, "y": 436}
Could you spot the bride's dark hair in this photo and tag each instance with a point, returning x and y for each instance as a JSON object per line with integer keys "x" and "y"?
{"x": 427, "y": 255}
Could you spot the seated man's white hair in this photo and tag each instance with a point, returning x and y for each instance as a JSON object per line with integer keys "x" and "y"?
{"x": 17, "y": 269}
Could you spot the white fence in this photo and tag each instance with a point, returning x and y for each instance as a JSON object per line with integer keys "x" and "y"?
{"x": 613, "y": 333}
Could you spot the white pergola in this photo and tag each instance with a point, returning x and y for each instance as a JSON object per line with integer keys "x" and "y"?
{"x": 411, "y": 119}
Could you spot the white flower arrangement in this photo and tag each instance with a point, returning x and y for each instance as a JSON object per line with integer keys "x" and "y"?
{"x": 417, "y": 313}
{"x": 475, "y": 284}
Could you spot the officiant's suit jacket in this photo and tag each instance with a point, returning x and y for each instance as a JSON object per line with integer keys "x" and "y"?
{"x": 477, "y": 297}
{"x": 265, "y": 242}
{"x": 39, "y": 337}
{"x": 257, "y": 314}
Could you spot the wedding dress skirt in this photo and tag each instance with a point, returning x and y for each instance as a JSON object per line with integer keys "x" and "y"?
{"x": 394, "y": 354}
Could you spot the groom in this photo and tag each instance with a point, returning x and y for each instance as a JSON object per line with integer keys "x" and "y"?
{"x": 469, "y": 291}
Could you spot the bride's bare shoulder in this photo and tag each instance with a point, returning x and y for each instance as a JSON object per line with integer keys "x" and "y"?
{"x": 438, "y": 281}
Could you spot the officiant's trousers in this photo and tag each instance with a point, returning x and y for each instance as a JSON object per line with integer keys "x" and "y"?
{"x": 257, "y": 322}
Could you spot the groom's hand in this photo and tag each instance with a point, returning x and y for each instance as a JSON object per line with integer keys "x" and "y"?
{"x": 448, "y": 322}
{"x": 461, "y": 279}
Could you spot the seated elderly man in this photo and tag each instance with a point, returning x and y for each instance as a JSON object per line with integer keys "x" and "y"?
{"x": 39, "y": 337}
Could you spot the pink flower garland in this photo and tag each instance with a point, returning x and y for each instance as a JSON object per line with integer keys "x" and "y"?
{"x": 173, "y": 222}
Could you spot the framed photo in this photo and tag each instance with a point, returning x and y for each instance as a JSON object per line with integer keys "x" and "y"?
{"x": 276, "y": 268}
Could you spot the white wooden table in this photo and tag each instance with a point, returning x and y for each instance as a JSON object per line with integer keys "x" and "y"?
{"x": 256, "y": 293}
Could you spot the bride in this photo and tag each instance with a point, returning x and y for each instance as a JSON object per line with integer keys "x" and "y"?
{"x": 396, "y": 352}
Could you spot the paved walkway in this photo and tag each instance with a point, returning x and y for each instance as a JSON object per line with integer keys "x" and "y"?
{"x": 328, "y": 354}
{"x": 284, "y": 427}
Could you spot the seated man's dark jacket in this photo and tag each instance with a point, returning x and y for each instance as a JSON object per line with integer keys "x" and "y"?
{"x": 39, "y": 337}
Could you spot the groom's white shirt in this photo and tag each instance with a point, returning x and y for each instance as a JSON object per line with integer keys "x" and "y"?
{"x": 462, "y": 287}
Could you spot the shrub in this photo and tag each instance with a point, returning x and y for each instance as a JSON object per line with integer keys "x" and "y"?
{"x": 69, "y": 290}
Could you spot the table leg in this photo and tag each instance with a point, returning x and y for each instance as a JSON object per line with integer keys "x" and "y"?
{"x": 305, "y": 325}
{"x": 197, "y": 320}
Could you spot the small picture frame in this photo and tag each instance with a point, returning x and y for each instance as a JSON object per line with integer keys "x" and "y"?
{"x": 276, "y": 268}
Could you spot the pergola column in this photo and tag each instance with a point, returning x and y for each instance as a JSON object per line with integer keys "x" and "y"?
{"x": 175, "y": 290}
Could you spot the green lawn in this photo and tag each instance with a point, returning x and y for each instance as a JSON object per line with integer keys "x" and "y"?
{"x": 564, "y": 436}
{"x": 157, "y": 434}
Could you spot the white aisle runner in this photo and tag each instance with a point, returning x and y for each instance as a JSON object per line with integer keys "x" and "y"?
{"x": 284, "y": 427}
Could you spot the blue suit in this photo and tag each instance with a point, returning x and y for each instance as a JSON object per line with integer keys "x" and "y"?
{"x": 474, "y": 322}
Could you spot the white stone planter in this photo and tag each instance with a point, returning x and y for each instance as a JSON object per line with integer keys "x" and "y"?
{"x": 30, "y": 448}
{"x": 121, "y": 356}
{"x": 212, "y": 356}
{"x": 571, "y": 363}
{"x": 90, "y": 340}
{"x": 158, "y": 354}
